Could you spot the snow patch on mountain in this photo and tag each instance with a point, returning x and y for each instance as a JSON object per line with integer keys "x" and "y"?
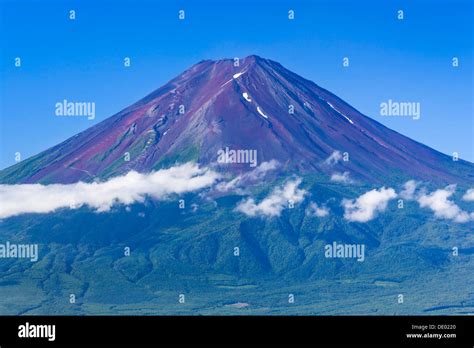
{"x": 261, "y": 112}
{"x": 246, "y": 96}
{"x": 340, "y": 113}
{"x": 235, "y": 76}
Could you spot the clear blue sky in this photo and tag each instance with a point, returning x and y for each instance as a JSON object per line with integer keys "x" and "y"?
{"x": 82, "y": 60}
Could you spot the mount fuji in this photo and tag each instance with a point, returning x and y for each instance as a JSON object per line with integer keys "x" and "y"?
{"x": 293, "y": 194}
{"x": 256, "y": 105}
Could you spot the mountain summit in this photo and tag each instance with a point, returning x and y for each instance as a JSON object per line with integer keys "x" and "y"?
{"x": 257, "y": 105}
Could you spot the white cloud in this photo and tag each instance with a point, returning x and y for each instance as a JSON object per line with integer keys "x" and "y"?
{"x": 253, "y": 175}
{"x": 366, "y": 206}
{"x": 344, "y": 177}
{"x": 127, "y": 189}
{"x": 263, "y": 168}
{"x": 334, "y": 158}
{"x": 409, "y": 189}
{"x": 275, "y": 202}
{"x": 469, "y": 195}
{"x": 443, "y": 208}
{"x": 315, "y": 210}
